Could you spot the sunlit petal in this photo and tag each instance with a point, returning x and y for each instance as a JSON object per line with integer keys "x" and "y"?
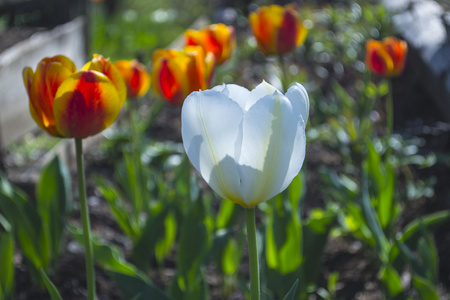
{"x": 211, "y": 123}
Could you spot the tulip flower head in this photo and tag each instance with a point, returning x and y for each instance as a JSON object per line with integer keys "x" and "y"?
{"x": 247, "y": 145}
{"x": 67, "y": 103}
{"x": 135, "y": 76}
{"x": 386, "y": 58}
{"x": 218, "y": 39}
{"x": 177, "y": 73}
{"x": 277, "y": 29}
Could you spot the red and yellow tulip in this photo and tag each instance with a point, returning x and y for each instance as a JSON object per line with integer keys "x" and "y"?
{"x": 386, "y": 58}
{"x": 278, "y": 29}
{"x": 135, "y": 76}
{"x": 67, "y": 103}
{"x": 218, "y": 39}
{"x": 177, "y": 73}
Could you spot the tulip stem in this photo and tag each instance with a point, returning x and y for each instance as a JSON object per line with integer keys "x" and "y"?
{"x": 134, "y": 139}
{"x": 284, "y": 73}
{"x": 90, "y": 274}
{"x": 389, "y": 119}
{"x": 252, "y": 253}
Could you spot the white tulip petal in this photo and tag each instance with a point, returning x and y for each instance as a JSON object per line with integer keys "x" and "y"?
{"x": 238, "y": 94}
{"x": 247, "y": 145}
{"x": 273, "y": 148}
{"x": 299, "y": 98}
{"x": 210, "y": 127}
{"x": 260, "y": 91}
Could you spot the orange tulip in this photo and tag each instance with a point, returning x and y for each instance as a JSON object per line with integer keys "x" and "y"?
{"x": 66, "y": 103}
{"x": 387, "y": 57}
{"x": 135, "y": 76}
{"x": 277, "y": 29}
{"x": 177, "y": 73}
{"x": 218, "y": 39}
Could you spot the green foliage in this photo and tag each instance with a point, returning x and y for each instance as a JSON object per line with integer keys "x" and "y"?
{"x": 139, "y": 27}
{"x": 6, "y": 259}
{"x": 39, "y": 229}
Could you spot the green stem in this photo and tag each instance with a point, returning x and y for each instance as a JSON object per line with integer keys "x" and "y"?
{"x": 138, "y": 202}
{"x": 389, "y": 119}
{"x": 253, "y": 253}
{"x": 284, "y": 75}
{"x": 90, "y": 274}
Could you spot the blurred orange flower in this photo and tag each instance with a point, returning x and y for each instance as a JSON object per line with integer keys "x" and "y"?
{"x": 218, "y": 39}
{"x": 135, "y": 76}
{"x": 177, "y": 73}
{"x": 387, "y": 57}
{"x": 67, "y": 103}
{"x": 278, "y": 29}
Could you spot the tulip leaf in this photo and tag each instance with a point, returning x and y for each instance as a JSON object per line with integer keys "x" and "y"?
{"x": 291, "y": 294}
{"x": 25, "y": 220}
{"x": 51, "y": 288}
{"x": 107, "y": 256}
{"x": 392, "y": 280}
{"x": 123, "y": 218}
{"x": 163, "y": 246}
{"x": 425, "y": 288}
{"x": 136, "y": 288}
{"x": 153, "y": 230}
{"x": 6, "y": 258}
{"x": 315, "y": 231}
{"x": 386, "y": 199}
{"x": 231, "y": 257}
{"x": 225, "y": 213}
{"x": 194, "y": 240}
{"x": 53, "y": 196}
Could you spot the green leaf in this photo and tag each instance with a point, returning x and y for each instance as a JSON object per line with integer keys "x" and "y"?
{"x": 429, "y": 256}
{"x": 296, "y": 190}
{"x": 411, "y": 231}
{"x": 392, "y": 280}
{"x": 136, "y": 288}
{"x": 153, "y": 231}
{"x": 231, "y": 257}
{"x": 53, "y": 195}
{"x": 107, "y": 256}
{"x": 195, "y": 240}
{"x": 123, "y": 217}
{"x": 386, "y": 199}
{"x": 164, "y": 245}
{"x": 374, "y": 166}
{"x": 315, "y": 232}
{"x": 6, "y": 259}
{"x": 225, "y": 214}
{"x": 425, "y": 288}
{"x": 26, "y": 222}
{"x": 283, "y": 238}
{"x": 51, "y": 288}
{"x": 291, "y": 294}
{"x": 373, "y": 223}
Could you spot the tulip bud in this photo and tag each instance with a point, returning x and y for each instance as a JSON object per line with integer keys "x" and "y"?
{"x": 386, "y": 58}
{"x": 277, "y": 29}
{"x": 177, "y": 73}
{"x": 135, "y": 76}
{"x": 218, "y": 39}
{"x": 66, "y": 103}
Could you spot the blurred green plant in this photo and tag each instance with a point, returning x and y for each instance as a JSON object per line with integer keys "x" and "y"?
{"x": 138, "y": 27}
{"x": 39, "y": 227}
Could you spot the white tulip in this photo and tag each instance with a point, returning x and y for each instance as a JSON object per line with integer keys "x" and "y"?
{"x": 247, "y": 145}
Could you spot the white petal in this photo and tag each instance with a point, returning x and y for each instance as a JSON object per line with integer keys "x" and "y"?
{"x": 299, "y": 98}
{"x": 237, "y": 93}
{"x": 273, "y": 148}
{"x": 260, "y": 91}
{"x": 211, "y": 123}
